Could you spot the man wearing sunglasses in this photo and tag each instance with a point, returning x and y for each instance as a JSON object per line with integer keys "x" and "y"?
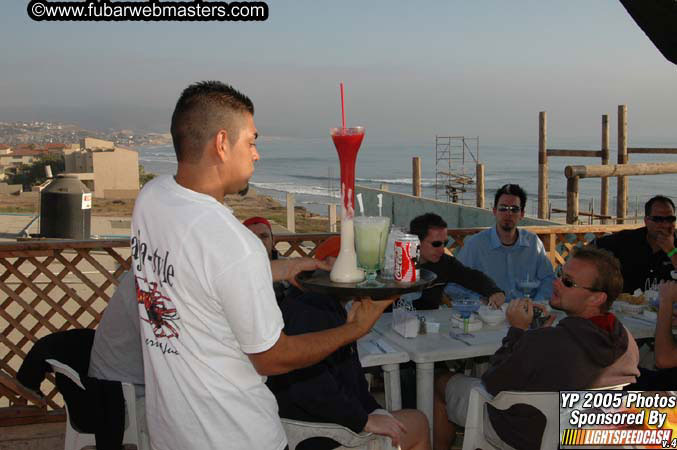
{"x": 431, "y": 230}
{"x": 505, "y": 253}
{"x": 589, "y": 348}
{"x": 646, "y": 253}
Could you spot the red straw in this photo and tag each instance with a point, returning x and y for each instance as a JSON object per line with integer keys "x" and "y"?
{"x": 343, "y": 109}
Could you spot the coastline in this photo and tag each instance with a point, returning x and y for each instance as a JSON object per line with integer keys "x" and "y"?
{"x": 253, "y": 204}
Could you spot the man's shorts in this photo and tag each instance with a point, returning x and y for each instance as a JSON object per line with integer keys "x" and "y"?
{"x": 457, "y": 396}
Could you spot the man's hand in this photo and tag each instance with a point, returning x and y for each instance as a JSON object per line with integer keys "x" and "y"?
{"x": 497, "y": 299}
{"x": 665, "y": 241}
{"x": 365, "y": 312}
{"x": 550, "y": 319}
{"x": 287, "y": 269}
{"x": 385, "y": 426}
{"x": 520, "y": 313}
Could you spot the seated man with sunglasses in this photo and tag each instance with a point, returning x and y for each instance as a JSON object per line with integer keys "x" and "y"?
{"x": 431, "y": 229}
{"x": 589, "y": 348}
{"x": 505, "y": 253}
{"x": 646, "y": 253}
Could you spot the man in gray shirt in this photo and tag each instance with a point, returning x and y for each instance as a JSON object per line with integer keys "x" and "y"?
{"x": 116, "y": 353}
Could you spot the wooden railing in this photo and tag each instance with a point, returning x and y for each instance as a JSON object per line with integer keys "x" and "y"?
{"x": 48, "y": 286}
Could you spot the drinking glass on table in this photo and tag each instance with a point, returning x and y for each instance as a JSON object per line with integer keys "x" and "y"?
{"x": 651, "y": 284}
{"x": 371, "y": 234}
{"x": 465, "y": 307}
{"x": 528, "y": 287}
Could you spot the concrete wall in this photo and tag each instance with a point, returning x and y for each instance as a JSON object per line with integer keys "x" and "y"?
{"x": 401, "y": 208}
{"x": 90, "y": 143}
{"x": 120, "y": 193}
{"x": 10, "y": 188}
{"x": 13, "y": 160}
{"x": 78, "y": 162}
{"x": 115, "y": 170}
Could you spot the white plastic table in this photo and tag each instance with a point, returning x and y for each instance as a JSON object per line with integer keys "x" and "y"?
{"x": 427, "y": 349}
{"x": 374, "y": 350}
{"x": 639, "y": 326}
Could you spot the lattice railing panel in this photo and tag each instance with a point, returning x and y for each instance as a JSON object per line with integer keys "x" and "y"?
{"x": 49, "y": 286}
{"x": 293, "y": 245}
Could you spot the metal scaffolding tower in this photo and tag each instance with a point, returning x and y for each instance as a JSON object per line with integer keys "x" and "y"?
{"x": 451, "y": 174}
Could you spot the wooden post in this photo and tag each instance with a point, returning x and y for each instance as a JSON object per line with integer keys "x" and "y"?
{"x": 291, "y": 219}
{"x": 332, "y": 217}
{"x": 572, "y": 200}
{"x": 604, "y": 195}
{"x": 479, "y": 192}
{"x": 619, "y": 170}
{"x": 416, "y": 175}
{"x": 542, "y": 165}
{"x": 550, "y": 243}
{"x": 622, "y": 200}
{"x": 384, "y": 187}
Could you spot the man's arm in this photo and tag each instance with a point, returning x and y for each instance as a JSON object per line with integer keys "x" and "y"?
{"x": 666, "y": 350}
{"x": 287, "y": 269}
{"x": 544, "y": 273}
{"x": 513, "y": 364}
{"x": 666, "y": 242}
{"x": 510, "y": 366}
{"x": 472, "y": 279}
{"x": 303, "y": 350}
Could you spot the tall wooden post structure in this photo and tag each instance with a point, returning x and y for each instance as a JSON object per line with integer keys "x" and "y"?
{"x": 479, "y": 191}
{"x": 542, "y": 165}
{"x": 622, "y": 183}
{"x": 604, "y": 201}
{"x": 416, "y": 176}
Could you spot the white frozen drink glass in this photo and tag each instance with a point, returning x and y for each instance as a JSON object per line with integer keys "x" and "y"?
{"x": 371, "y": 234}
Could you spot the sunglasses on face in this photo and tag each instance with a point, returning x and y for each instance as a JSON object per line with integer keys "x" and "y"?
{"x": 569, "y": 283}
{"x": 438, "y": 244}
{"x": 506, "y": 208}
{"x": 662, "y": 219}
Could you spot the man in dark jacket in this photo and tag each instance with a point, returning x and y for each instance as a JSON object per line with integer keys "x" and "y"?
{"x": 589, "y": 348}
{"x": 431, "y": 230}
{"x": 261, "y": 227}
{"x": 648, "y": 252}
{"x": 335, "y": 390}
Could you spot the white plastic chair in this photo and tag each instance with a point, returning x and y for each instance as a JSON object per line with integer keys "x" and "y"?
{"x": 298, "y": 431}
{"x": 546, "y": 402}
{"x": 76, "y": 440}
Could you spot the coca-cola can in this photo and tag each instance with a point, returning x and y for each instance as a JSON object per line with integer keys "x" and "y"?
{"x": 407, "y": 250}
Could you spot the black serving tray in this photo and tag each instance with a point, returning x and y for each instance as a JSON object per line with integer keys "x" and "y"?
{"x": 320, "y": 283}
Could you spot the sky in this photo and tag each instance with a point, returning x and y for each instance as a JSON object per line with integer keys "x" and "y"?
{"x": 412, "y": 70}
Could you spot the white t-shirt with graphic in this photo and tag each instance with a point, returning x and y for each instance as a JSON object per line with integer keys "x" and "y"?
{"x": 205, "y": 300}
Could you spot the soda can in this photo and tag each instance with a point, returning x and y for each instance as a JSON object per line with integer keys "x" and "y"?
{"x": 407, "y": 248}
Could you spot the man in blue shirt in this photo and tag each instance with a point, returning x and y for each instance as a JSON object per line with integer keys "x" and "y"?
{"x": 507, "y": 254}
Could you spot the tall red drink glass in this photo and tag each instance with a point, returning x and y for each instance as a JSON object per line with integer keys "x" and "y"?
{"x": 347, "y": 142}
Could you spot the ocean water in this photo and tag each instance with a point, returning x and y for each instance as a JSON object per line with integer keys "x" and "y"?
{"x": 309, "y": 168}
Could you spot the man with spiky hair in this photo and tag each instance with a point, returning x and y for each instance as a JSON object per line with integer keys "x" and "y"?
{"x": 210, "y": 325}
